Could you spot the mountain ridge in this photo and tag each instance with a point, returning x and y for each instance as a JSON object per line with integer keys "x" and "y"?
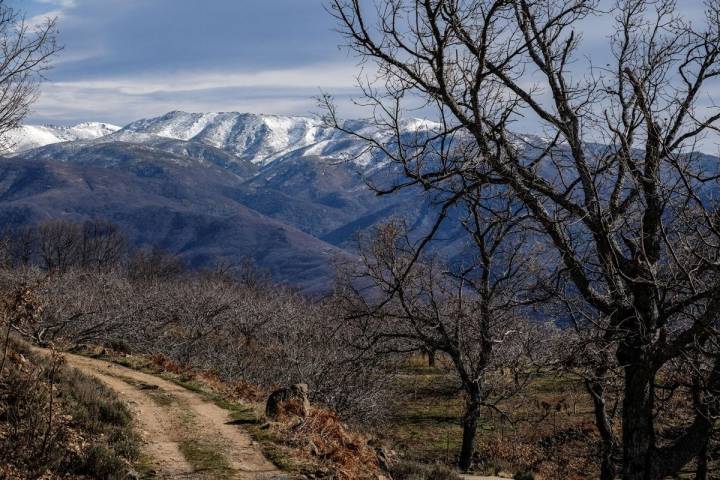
{"x": 288, "y": 192}
{"x": 259, "y": 138}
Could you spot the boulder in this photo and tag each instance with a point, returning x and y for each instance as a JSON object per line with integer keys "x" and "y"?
{"x": 292, "y": 400}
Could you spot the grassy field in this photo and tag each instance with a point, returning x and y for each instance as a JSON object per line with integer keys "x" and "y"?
{"x": 551, "y": 432}
{"x": 551, "y": 435}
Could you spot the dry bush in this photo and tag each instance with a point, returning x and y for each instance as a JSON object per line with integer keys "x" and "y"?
{"x": 322, "y": 435}
{"x": 85, "y": 306}
{"x": 290, "y": 408}
{"x": 502, "y": 454}
{"x": 234, "y": 390}
{"x": 251, "y": 335}
{"x": 167, "y": 365}
{"x": 28, "y": 431}
{"x": 568, "y": 452}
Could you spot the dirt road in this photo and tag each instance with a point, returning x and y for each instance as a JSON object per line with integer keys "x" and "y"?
{"x": 184, "y": 435}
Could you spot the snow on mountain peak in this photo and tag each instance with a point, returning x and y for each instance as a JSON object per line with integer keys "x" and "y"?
{"x": 27, "y": 137}
{"x": 419, "y": 125}
{"x": 257, "y": 138}
{"x": 91, "y": 130}
{"x": 261, "y": 138}
{"x": 253, "y": 137}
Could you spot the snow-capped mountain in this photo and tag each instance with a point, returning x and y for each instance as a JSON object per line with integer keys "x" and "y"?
{"x": 262, "y": 139}
{"x": 257, "y": 138}
{"x": 254, "y": 138}
{"x": 283, "y": 190}
{"x": 28, "y": 137}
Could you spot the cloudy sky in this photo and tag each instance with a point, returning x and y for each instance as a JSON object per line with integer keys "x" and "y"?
{"x": 126, "y": 59}
{"x": 129, "y": 59}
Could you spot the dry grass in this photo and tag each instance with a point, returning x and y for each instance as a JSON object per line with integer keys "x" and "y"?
{"x": 419, "y": 471}
{"x": 318, "y": 446}
{"x": 323, "y": 435}
{"x": 57, "y": 423}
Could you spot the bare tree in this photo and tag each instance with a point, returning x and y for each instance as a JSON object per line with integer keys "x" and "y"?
{"x": 60, "y": 244}
{"x": 22, "y": 245}
{"x": 25, "y": 51}
{"x": 86, "y": 306}
{"x": 154, "y": 264}
{"x": 102, "y": 246}
{"x": 403, "y": 302}
{"x": 615, "y": 185}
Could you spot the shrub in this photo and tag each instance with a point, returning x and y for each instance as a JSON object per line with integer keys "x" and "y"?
{"x": 324, "y": 439}
{"x": 102, "y": 462}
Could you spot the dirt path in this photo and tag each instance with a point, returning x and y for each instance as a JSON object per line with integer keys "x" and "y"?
{"x": 185, "y": 435}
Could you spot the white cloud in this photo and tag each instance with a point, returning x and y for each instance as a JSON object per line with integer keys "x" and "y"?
{"x": 58, "y": 10}
{"x": 123, "y": 100}
{"x": 313, "y": 76}
{"x": 78, "y": 55}
{"x": 41, "y": 19}
{"x": 60, "y": 3}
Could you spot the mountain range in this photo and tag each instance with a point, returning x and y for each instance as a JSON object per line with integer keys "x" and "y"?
{"x": 286, "y": 191}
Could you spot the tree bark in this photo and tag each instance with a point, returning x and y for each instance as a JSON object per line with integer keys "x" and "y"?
{"x": 597, "y": 393}
{"x": 702, "y": 466}
{"x": 669, "y": 460}
{"x": 469, "y": 424}
{"x": 638, "y": 429}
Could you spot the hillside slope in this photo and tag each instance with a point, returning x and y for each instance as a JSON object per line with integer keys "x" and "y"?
{"x": 168, "y": 202}
{"x": 56, "y": 422}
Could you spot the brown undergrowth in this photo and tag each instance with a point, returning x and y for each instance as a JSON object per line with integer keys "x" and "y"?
{"x": 321, "y": 438}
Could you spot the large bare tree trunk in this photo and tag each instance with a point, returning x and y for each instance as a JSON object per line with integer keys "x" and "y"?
{"x": 638, "y": 430}
{"x": 431, "y": 357}
{"x": 596, "y": 390}
{"x": 701, "y": 473}
{"x": 469, "y": 424}
{"x": 634, "y": 354}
